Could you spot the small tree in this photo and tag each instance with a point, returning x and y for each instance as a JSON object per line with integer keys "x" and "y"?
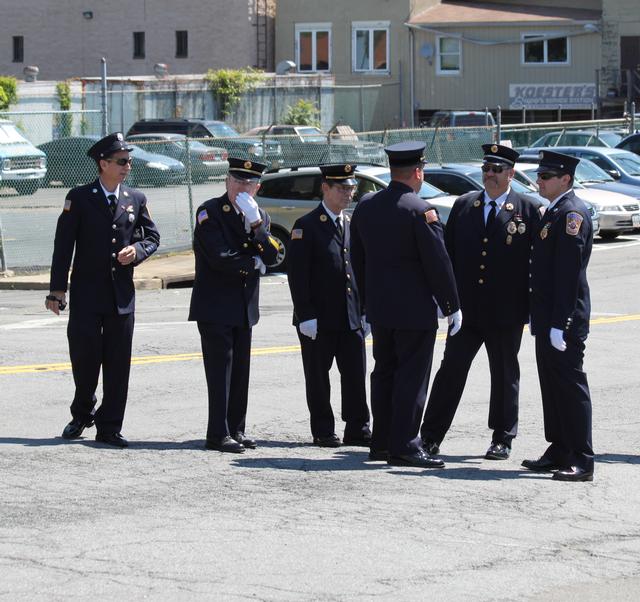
{"x": 304, "y": 112}
{"x": 64, "y": 121}
{"x": 8, "y": 91}
{"x": 230, "y": 84}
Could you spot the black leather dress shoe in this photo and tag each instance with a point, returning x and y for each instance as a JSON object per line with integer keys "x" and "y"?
{"x": 248, "y": 443}
{"x": 542, "y": 464}
{"x": 378, "y": 455}
{"x": 574, "y": 473}
{"x": 418, "y": 458}
{"x": 74, "y": 429}
{"x": 327, "y": 441}
{"x": 431, "y": 448}
{"x": 113, "y": 439}
{"x": 225, "y": 444}
{"x": 361, "y": 440}
{"x": 498, "y": 451}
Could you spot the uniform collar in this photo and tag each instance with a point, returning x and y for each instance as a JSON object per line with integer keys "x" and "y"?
{"x": 108, "y": 192}
{"x": 331, "y": 214}
{"x": 499, "y": 201}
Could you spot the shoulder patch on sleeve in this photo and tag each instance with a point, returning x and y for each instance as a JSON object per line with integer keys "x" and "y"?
{"x": 203, "y": 216}
{"x": 431, "y": 216}
{"x": 67, "y": 205}
{"x": 296, "y": 234}
{"x": 574, "y": 221}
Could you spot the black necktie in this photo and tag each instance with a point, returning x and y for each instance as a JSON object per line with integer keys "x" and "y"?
{"x": 339, "y": 227}
{"x": 491, "y": 217}
{"x": 113, "y": 203}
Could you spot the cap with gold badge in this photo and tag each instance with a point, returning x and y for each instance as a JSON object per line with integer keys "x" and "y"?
{"x": 105, "y": 147}
{"x": 499, "y": 154}
{"x": 245, "y": 169}
{"x": 342, "y": 173}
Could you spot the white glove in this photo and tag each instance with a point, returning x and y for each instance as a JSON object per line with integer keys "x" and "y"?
{"x": 557, "y": 339}
{"x": 259, "y": 264}
{"x": 366, "y": 327}
{"x": 455, "y": 322}
{"x": 309, "y": 328}
{"x": 248, "y": 206}
{"x": 440, "y": 314}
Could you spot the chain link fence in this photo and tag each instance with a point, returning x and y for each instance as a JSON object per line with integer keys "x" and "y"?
{"x": 43, "y": 154}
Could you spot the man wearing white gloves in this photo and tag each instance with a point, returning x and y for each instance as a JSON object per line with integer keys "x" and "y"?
{"x": 232, "y": 247}
{"x": 488, "y": 237}
{"x": 328, "y": 313}
{"x": 560, "y": 310}
{"x": 401, "y": 264}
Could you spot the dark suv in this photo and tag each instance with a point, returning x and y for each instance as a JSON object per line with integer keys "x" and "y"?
{"x": 213, "y": 133}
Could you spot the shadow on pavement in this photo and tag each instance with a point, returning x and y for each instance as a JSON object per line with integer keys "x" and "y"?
{"x": 617, "y": 458}
{"x": 340, "y": 461}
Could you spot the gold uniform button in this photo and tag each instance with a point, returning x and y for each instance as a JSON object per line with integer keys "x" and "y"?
{"x": 482, "y": 267}
{"x": 484, "y": 253}
{"x": 348, "y": 276}
{"x": 245, "y": 245}
{"x": 113, "y": 255}
{"x": 530, "y": 290}
{"x": 348, "y": 289}
{"x": 113, "y": 269}
{"x": 346, "y": 262}
{"x": 345, "y": 249}
{"x": 113, "y": 240}
{"x": 485, "y": 240}
{"x": 481, "y": 281}
{"x": 113, "y": 226}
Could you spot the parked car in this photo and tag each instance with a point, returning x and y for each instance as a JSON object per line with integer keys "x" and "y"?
{"x": 304, "y": 144}
{"x": 617, "y": 213}
{"x": 287, "y": 194}
{"x": 459, "y": 178}
{"x": 213, "y": 133}
{"x": 631, "y": 143}
{"x": 68, "y": 163}
{"x": 623, "y": 166}
{"x": 452, "y": 119}
{"x": 22, "y": 165}
{"x": 579, "y": 138}
{"x": 206, "y": 161}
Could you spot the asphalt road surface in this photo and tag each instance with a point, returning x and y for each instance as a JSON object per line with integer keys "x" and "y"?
{"x": 167, "y": 520}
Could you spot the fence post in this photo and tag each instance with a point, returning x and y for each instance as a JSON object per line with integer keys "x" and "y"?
{"x": 593, "y": 111}
{"x": 632, "y": 121}
{"x": 498, "y": 124}
{"x": 559, "y": 113}
{"x": 524, "y": 114}
{"x": 189, "y": 184}
{"x": 103, "y": 89}
{"x": 3, "y": 260}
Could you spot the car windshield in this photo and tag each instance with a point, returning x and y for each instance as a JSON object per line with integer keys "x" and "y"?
{"x": 629, "y": 162}
{"x": 427, "y": 191}
{"x": 222, "y": 129}
{"x": 587, "y": 172}
{"x": 10, "y": 135}
{"x": 611, "y": 138}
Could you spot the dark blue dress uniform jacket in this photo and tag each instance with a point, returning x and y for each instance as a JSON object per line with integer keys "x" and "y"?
{"x": 86, "y": 222}
{"x": 558, "y": 285}
{"x": 226, "y": 286}
{"x": 492, "y": 268}
{"x": 320, "y": 273}
{"x": 401, "y": 273}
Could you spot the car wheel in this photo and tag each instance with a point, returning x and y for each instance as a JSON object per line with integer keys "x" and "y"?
{"x": 27, "y": 187}
{"x": 609, "y": 234}
{"x": 283, "y": 240}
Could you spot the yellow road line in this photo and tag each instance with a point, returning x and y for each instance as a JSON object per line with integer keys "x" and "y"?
{"x": 258, "y": 351}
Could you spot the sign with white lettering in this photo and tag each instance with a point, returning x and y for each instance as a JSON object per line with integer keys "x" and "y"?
{"x": 551, "y": 96}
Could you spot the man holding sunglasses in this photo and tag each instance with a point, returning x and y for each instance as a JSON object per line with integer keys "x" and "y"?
{"x": 231, "y": 244}
{"x": 327, "y": 311}
{"x": 560, "y": 310}
{"x": 488, "y": 237}
{"x": 109, "y": 226}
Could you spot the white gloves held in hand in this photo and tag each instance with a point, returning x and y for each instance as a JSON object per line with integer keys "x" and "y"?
{"x": 248, "y": 206}
{"x": 259, "y": 264}
{"x": 366, "y": 327}
{"x": 557, "y": 339}
{"x": 309, "y": 328}
{"x": 455, "y": 322}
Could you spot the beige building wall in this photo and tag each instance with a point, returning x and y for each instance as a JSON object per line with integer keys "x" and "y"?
{"x": 63, "y": 43}
{"x": 488, "y": 70}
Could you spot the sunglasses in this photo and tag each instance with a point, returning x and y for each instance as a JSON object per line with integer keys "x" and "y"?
{"x": 547, "y": 175}
{"x": 486, "y": 168}
{"x": 121, "y": 162}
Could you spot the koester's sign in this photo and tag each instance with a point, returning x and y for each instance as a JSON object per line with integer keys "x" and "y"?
{"x": 551, "y": 96}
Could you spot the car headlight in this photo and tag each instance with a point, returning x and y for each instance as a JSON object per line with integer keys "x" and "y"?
{"x": 157, "y": 165}
{"x": 42, "y": 163}
{"x": 6, "y": 164}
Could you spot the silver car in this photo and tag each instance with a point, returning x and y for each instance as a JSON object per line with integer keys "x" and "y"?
{"x": 288, "y": 194}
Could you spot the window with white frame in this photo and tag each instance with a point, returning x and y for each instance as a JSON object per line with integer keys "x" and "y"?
{"x": 370, "y": 46}
{"x": 537, "y": 49}
{"x": 313, "y": 46}
{"x": 449, "y": 60}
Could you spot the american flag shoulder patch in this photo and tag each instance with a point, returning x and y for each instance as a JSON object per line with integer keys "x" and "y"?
{"x": 67, "y": 205}
{"x": 431, "y": 216}
{"x": 203, "y": 216}
{"x": 296, "y": 234}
